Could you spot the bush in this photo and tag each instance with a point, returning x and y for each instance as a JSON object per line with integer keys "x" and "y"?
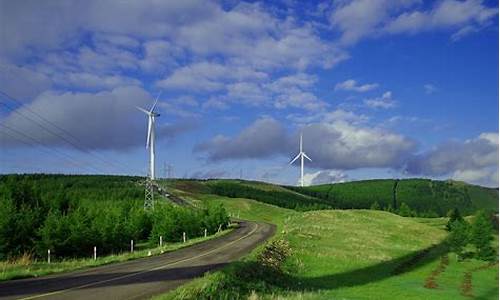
{"x": 275, "y": 254}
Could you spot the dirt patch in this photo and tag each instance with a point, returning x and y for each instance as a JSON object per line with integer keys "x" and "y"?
{"x": 430, "y": 281}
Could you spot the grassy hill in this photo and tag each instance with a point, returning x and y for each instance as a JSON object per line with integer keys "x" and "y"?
{"x": 425, "y": 197}
{"x": 346, "y": 254}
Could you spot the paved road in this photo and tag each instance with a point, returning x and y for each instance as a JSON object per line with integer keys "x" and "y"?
{"x": 142, "y": 278}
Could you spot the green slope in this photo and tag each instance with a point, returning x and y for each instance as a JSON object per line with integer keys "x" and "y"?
{"x": 427, "y": 197}
{"x": 344, "y": 254}
{"x": 267, "y": 193}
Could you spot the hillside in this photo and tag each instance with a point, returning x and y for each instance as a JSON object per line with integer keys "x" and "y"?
{"x": 264, "y": 192}
{"x": 425, "y": 196}
{"x": 344, "y": 254}
{"x": 428, "y": 198}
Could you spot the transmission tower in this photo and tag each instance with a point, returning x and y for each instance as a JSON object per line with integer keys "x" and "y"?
{"x": 149, "y": 198}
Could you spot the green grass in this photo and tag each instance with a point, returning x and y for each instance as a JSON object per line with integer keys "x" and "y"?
{"x": 25, "y": 267}
{"x": 345, "y": 254}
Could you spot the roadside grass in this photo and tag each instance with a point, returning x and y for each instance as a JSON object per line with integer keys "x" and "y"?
{"x": 345, "y": 254}
{"x": 26, "y": 267}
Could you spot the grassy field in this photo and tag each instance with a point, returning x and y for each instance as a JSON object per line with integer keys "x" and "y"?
{"x": 349, "y": 254}
{"x": 26, "y": 266}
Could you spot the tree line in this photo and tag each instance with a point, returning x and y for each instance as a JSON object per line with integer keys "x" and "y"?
{"x": 71, "y": 214}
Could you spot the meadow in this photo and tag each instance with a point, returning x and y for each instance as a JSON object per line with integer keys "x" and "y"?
{"x": 346, "y": 254}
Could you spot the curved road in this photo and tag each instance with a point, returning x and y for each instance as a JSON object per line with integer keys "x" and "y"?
{"x": 145, "y": 277}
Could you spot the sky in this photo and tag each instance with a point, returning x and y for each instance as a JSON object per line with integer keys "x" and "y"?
{"x": 378, "y": 88}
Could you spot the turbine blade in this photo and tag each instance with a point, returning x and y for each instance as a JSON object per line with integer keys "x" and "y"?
{"x": 143, "y": 110}
{"x": 296, "y": 157}
{"x": 156, "y": 101}
{"x": 150, "y": 127}
{"x": 305, "y": 155}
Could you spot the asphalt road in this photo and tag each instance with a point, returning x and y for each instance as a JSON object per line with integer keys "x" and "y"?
{"x": 142, "y": 278}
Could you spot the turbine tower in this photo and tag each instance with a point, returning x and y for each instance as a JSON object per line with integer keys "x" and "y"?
{"x": 150, "y": 143}
{"x": 301, "y": 154}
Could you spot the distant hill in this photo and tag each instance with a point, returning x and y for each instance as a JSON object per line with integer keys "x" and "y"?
{"x": 425, "y": 197}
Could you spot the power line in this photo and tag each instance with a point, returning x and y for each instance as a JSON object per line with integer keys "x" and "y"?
{"x": 62, "y": 154}
{"x": 80, "y": 148}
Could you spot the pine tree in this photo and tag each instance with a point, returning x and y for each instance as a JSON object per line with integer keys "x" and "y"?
{"x": 405, "y": 210}
{"x": 453, "y": 215}
{"x": 459, "y": 237}
{"x": 482, "y": 235}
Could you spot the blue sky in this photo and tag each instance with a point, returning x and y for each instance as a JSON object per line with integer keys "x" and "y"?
{"x": 380, "y": 89}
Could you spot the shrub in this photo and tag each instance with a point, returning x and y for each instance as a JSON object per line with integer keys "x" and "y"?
{"x": 275, "y": 254}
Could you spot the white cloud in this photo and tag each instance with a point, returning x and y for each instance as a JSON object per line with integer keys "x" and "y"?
{"x": 22, "y": 83}
{"x": 474, "y": 160}
{"x": 361, "y": 18}
{"x": 264, "y": 138}
{"x": 103, "y": 120}
{"x": 385, "y": 101}
{"x": 324, "y": 177}
{"x": 352, "y": 85}
{"x": 159, "y": 55}
{"x": 206, "y": 76}
{"x": 93, "y": 82}
{"x": 445, "y": 14}
{"x": 335, "y": 145}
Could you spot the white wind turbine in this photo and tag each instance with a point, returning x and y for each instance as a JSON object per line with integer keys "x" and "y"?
{"x": 150, "y": 142}
{"x": 301, "y": 154}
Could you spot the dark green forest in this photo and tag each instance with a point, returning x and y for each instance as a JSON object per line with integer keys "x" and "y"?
{"x": 70, "y": 214}
{"x": 423, "y": 197}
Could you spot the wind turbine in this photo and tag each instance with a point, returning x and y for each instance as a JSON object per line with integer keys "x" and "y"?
{"x": 150, "y": 141}
{"x": 301, "y": 154}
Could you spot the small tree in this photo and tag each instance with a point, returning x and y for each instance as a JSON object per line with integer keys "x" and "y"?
{"x": 482, "y": 235}
{"x": 459, "y": 237}
{"x": 454, "y": 215}
{"x": 405, "y": 210}
{"x": 375, "y": 206}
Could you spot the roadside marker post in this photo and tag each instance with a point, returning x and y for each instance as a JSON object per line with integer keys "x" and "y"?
{"x": 161, "y": 241}
{"x": 184, "y": 237}
{"x": 205, "y": 232}
{"x": 131, "y": 246}
{"x": 95, "y": 253}
{"x": 48, "y": 256}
